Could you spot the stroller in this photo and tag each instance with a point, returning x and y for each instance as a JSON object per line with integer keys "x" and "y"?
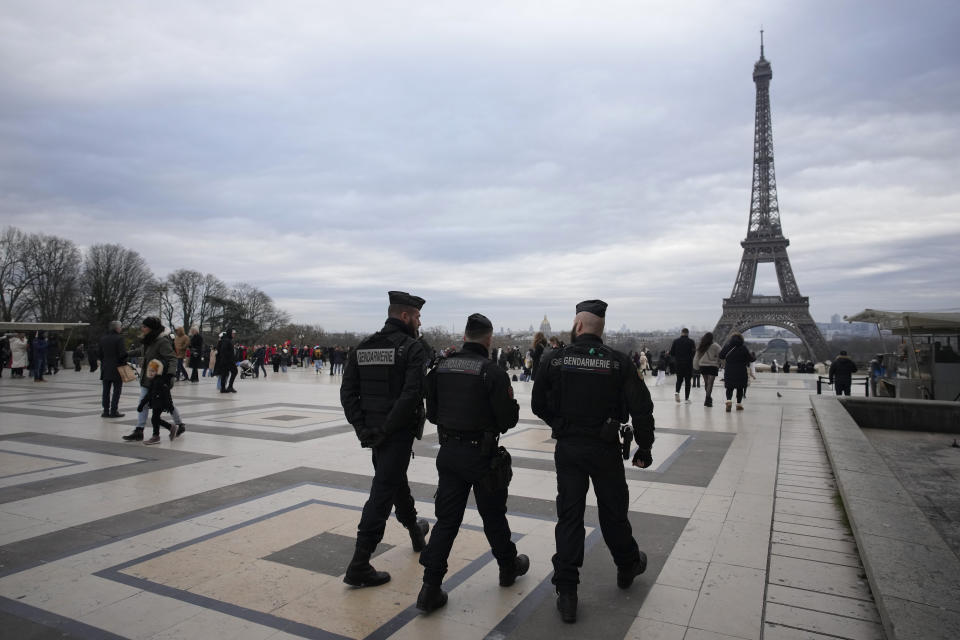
{"x": 246, "y": 369}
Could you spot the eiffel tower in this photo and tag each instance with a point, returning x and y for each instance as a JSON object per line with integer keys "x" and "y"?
{"x": 765, "y": 242}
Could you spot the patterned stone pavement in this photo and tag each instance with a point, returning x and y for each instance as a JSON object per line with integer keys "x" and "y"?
{"x": 242, "y": 528}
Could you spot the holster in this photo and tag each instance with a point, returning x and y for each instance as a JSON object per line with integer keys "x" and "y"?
{"x": 610, "y": 431}
{"x": 420, "y": 422}
{"x": 501, "y": 472}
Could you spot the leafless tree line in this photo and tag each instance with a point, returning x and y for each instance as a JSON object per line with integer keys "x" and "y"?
{"x": 45, "y": 278}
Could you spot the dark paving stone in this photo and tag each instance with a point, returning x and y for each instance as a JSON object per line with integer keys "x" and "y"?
{"x": 23, "y": 622}
{"x": 152, "y": 459}
{"x": 921, "y": 622}
{"x": 285, "y": 418}
{"x": 915, "y": 572}
{"x": 326, "y": 553}
{"x": 694, "y": 465}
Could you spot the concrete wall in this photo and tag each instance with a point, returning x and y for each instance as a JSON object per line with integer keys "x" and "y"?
{"x": 903, "y": 414}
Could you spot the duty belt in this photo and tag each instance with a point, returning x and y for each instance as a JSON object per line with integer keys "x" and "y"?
{"x": 473, "y": 438}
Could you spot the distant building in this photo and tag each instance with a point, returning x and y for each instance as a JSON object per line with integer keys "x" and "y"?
{"x": 545, "y": 326}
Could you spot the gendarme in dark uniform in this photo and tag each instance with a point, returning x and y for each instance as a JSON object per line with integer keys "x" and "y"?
{"x": 470, "y": 400}
{"x": 381, "y": 394}
{"x": 584, "y": 391}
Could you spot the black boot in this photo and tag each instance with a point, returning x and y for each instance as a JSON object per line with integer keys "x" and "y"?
{"x": 361, "y": 574}
{"x": 134, "y": 436}
{"x": 626, "y": 575}
{"x": 508, "y": 575}
{"x": 418, "y": 534}
{"x": 567, "y": 606}
{"x": 431, "y": 598}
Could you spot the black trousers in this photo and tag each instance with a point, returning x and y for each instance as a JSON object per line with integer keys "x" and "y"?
{"x": 195, "y": 376}
{"x": 684, "y": 374}
{"x": 109, "y": 403}
{"x": 388, "y": 490}
{"x": 578, "y": 461}
{"x": 842, "y": 387}
{"x": 460, "y": 466}
{"x": 257, "y": 367}
{"x": 230, "y": 372}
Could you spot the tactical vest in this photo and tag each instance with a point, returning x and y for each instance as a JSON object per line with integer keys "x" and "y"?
{"x": 589, "y": 384}
{"x": 463, "y": 402}
{"x": 381, "y": 364}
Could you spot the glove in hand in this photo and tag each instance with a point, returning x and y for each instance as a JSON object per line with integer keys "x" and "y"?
{"x": 370, "y": 436}
{"x": 642, "y": 458}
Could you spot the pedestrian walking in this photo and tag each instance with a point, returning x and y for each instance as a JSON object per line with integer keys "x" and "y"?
{"x": 38, "y": 355}
{"x": 471, "y": 401}
{"x": 226, "y": 362}
{"x": 584, "y": 392}
{"x": 196, "y": 353}
{"x": 708, "y": 362}
{"x": 113, "y": 354}
{"x": 381, "y": 395}
{"x": 682, "y": 351}
{"x": 736, "y": 358}
{"x": 154, "y": 345}
{"x": 841, "y": 373}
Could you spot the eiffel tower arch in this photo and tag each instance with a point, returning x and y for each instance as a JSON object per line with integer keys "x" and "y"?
{"x": 765, "y": 242}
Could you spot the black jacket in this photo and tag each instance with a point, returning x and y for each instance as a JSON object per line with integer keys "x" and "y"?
{"x": 635, "y": 402}
{"x": 113, "y": 353}
{"x": 737, "y": 359}
{"x": 842, "y": 369}
{"x": 683, "y": 350}
{"x": 196, "y": 351}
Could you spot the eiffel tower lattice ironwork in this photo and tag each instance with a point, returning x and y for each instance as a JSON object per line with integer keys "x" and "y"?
{"x": 765, "y": 242}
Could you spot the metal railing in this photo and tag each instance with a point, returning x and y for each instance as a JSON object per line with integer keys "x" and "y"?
{"x": 853, "y": 381}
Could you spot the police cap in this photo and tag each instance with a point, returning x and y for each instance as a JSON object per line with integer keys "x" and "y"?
{"x": 405, "y": 299}
{"x": 596, "y": 307}
{"x": 478, "y": 323}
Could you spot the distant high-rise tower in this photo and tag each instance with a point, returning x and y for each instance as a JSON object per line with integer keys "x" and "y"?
{"x": 765, "y": 242}
{"x": 545, "y": 326}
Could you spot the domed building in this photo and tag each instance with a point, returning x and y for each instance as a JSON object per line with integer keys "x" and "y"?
{"x": 545, "y": 326}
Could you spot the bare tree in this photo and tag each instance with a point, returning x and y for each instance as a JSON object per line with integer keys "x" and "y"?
{"x": 14, "y": 277}
{"x": 118, "y": 284}
{"x": 53, "y": 272}
{"x": 248, "y": 310}
{"x": 211, "y": 289}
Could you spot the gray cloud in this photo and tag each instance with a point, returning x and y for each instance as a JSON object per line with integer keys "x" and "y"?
{"x": 512, "y": 158}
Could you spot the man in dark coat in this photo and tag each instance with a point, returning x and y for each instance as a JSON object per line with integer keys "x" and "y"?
{"x": 226, "y": 362}
{"x": 736, "y": 366}
{"x": 113, "y": 353}
{"x": 683, "y": 350}
{"x": 841, "y": 373}
{"x": 196, "y": 353}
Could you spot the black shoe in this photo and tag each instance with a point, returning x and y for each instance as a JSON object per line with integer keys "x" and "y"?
{"x": 116, "y": 414}
{"x": 135, "y": 436}
{"x": 625, "y": 576}
{"x": 567, "y": 606}
{"x": 231, "y": 390}
{"x": 418, "y": 534}
{"x": 181, "y": 428}
{"x": 104, "y": 415}
{"x": 369, "y": 578}
{"x": 431, "y": 598}
{"x": 520, "y": 566}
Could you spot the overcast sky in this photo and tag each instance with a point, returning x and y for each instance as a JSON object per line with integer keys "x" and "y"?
{"x": 510, "y": 158}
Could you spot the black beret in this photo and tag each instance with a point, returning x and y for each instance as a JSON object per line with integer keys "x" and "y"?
{"x": 596, "y": 307}
{"x": 405, "y": 299}
{"x": 152, "y": 323}
{"x": 478, "y": 323}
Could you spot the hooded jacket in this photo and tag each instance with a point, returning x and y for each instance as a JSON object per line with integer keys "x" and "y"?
{"x": 180, "y": 343}
{"x": 156, "y": 346}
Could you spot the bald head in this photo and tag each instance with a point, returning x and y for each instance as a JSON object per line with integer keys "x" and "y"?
{"x": 586, "y": 322}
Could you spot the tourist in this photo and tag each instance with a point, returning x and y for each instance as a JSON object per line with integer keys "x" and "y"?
{"x": 736, "y": 366}
{"x": 113, "y": 354}
{"x": 4, "y": 354}
{"x": 77, "y": 356}
{"x": 226, "y": 362}
{"x": 387, "y": 417}
{"x": 158, "y": 400}
{"x": 682, "y": 351}
{"x": 196, "y": 353}
{"x": 538, "y": 346}
{"x": 662, "y": 364}
{"x": 708, "y": 362}
{"x": 841, "y": 373}
{"x": 180, "y": 344}
{"x": 53, "y": 354}
{"x": 154, "y": 346}
{"x": 38, "y": 355}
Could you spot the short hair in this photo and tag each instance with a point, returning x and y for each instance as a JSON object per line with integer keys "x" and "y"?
{"x": 684, "y": 330}
{"x": 477, "y": 335}
{"x": 115, "y": 325}
{"x": 395, "y": 310}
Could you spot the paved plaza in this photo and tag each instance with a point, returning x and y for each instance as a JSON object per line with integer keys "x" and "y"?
{"x": 243, "y": 527}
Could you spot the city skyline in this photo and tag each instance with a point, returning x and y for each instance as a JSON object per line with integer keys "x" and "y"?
{"x": 511, "y": 160}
